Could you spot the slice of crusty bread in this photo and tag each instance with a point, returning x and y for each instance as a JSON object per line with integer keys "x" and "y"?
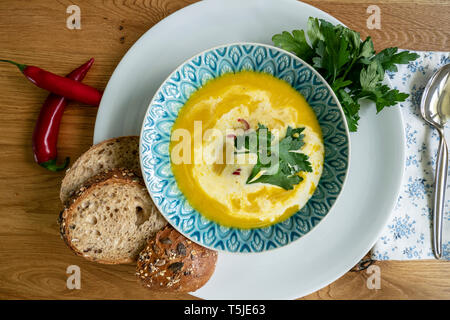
{"x": 122, "y": 152}
{"x": 172, "y": 263}
{"x": 110, "y": 218}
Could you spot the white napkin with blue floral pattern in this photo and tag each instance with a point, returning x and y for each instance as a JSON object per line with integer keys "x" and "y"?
{"x": 408, "y": 233}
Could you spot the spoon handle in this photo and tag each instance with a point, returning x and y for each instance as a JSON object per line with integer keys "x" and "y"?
{"x": 439, "y": 194}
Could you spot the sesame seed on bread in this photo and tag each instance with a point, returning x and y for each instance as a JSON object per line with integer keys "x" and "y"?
{"x": 172, "y": 263}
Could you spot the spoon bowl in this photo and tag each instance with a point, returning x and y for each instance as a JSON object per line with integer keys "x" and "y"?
{"x": 433, "y": 106}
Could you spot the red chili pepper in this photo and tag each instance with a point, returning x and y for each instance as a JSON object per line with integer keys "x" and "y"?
{"x": 45, "y": 135}
{"x": 61, "y": 86}
{"x": 237, "y": 172}
{"x": 245, "y": 123}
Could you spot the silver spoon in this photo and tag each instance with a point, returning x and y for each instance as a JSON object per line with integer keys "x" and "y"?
{"x": 435, "y": 108}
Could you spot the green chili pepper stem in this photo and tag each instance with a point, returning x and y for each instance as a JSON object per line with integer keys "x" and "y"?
{"x": 52, "y": 166}
{"x": 20, "y": 66}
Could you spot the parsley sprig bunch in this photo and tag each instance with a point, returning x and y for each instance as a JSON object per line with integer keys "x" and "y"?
{"x": 279, "y": 164}
{"x": 351, "y": 66}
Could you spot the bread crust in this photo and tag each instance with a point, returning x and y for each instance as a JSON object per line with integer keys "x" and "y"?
{"x": 172, "y": 263}
{"x": 119, "y": 174}
{"x": 92, "y": 151}
{"x": 122, "y": 176}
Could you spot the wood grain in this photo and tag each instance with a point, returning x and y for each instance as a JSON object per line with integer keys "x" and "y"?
{"x": 33, "y": 258}
{"x": 418, "y": 25}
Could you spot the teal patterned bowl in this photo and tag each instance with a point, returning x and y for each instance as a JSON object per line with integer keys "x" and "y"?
{"x": 175, "y": 91}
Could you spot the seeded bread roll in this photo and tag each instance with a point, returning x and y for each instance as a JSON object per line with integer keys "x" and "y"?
{"x": 172, "y": 263}
{"x": 110, "y": 218}
{"x": 122, "y": 152}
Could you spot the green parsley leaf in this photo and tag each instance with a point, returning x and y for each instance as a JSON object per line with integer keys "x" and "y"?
{"x": 313, "y": 31}
{"x": 286, "y": 159}
{"x": 340, "y": 83}
{"x": 253, "y": 141}
{"x": 295, "y": 42}
{"x": 389, "y": 57}
{"x": 371, "y": 75}
{"x": 367, "y": 50}
{"x": 281, "y": 179}
{"x": 351, "y": 109}
{"x": 383, "y": 96}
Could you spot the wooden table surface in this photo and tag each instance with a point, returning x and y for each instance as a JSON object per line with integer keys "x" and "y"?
{"x": 33, "y": 257}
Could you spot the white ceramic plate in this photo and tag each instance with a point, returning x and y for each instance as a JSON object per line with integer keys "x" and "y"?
{"x": 362, "y": 210}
